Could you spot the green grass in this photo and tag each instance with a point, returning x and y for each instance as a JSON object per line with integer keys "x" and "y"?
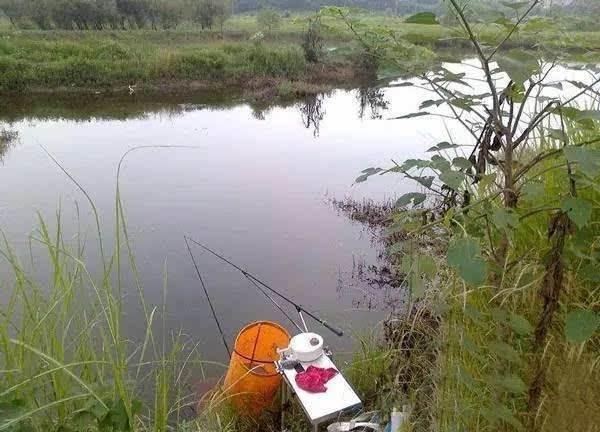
{"x": 66, "y": 363}
{"x": 104, "y": 60}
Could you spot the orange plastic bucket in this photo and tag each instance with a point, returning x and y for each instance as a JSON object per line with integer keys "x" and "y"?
{"x": 252, "y": 380}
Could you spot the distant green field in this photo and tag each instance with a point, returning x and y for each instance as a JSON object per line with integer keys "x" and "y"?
{"x": 550, "y": 37}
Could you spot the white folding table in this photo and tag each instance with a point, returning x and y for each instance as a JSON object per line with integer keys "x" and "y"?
{"x": 319, "y": 408}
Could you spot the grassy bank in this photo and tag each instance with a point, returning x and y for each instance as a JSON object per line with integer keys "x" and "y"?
{"x": 166, "y": 61}
{"x": 109, "y": 61}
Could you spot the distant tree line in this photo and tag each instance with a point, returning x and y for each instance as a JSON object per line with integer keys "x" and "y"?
{"x": 166, "y": 14}
{"x": 114, "y": 14}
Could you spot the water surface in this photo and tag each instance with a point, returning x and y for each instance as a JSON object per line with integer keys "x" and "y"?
{"x": 254, "y": 183}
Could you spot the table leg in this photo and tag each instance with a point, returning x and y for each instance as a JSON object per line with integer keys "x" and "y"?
{"x": 283, "y": 405}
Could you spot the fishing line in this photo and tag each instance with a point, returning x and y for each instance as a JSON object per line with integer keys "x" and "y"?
{"x": 261, "y": 289}
{"x": 298, "y": 307}
{"x": 207, "y": 297}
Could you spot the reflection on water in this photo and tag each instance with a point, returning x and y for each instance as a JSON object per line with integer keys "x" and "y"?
{"x": 7, "y": 139}
{"x": 86, "y": 107}
{"x": 373, "y": 101}
{"x": 312, "y": 113}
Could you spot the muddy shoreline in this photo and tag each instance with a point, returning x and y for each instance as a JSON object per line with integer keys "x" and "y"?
{"x": 318, "y": 78}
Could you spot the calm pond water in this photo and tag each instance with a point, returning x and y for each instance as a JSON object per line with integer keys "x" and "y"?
{"x": 256, "y": 186}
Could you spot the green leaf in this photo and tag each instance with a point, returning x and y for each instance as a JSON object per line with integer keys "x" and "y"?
{"x": 499, "y": 315}
{"x": 589, "y": 115}
{"x": 117, "y": 417}
{"x": 415, "y": 198}
{"x": 430, "y": 103}
{"x": 505, "y": 351}
{"x": 516, "y": 93}
{"x": 425, "y": 181}
{"x": 510, "y": 383}
{"x": 581, "y": 325}
{"x": 590, "y": 272}
{"x": 414, "y": 163}
{"x": 520, "y": 325}
{"x": 507, "y": 416}
{"x": 422, "y": 18}
{"x": 396, "y": 248}
{"x": 504, "y": 219}
{"x": 463, "y": 104}
{"x": 449, "y": 76}
{"x": 486, "y": 181}
{"x": 442, "y": 146}
{"x": 570, "y": 113}
{"x": 518, "y": 64}
{"x": 84, "y": 422}
{"x": 366, "y": 173}
{"x": 411, "y": 115}
{"x": 577, "y": 84}
{"x": 464, "y": 255}
{"x": 556, "y": 85}
{"x": 440, "y": 163}
{"x": 417, "y": 287}
{"x": 558, "y": 135}
{"x": 533, "y": 190}
{"x": 427, "y": 265}
{"x": 545, "y": 99}
{"x": 587, "y": 159}
{"x": 462, "y": 162}
{"x": 452, "y": 179}
{"x": 578, "y": 210}
{"x": 515, "y": 6}
{"x": 97, "y": 409}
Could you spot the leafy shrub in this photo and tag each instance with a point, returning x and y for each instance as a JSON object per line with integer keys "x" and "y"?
{"x": 13, "y": 75}
{"x": 312, "y": 40}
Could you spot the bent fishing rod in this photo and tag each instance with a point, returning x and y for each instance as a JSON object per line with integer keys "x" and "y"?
{"x": 299, "y": 308}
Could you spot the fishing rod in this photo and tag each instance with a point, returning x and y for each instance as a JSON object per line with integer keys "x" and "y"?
{"x": 208, "y": 297}
{"x": 261, "y": 289}
{"x": 299, "y": 308}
